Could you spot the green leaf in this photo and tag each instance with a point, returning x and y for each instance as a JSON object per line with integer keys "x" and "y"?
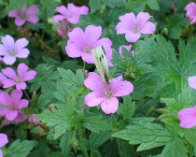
{"x": 153, "y": 4}
{"x": 56, "y": 119}
{"x": 127, "y": 108}
{"x": 20, "y": 148}
{"x": 95, "y": 5}
{"x": 174, "y": 148}
{"x": 96, "y": 124}
{"x": 15, "y": 4}
{"x": 149, "y": 135}
{"x": 97, "y": 139}
{"x": 115, "y": 3}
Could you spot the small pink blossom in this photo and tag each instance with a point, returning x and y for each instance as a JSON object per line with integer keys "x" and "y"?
{"x": 81, "y": 43}
{"x": 12, "y": 50}
{"x": 10, "y": 105}
{"x": 106, "y": 95}
{"x": 127, "y": 47}
{"x": 71, "y": 13}
{"x": 33, "y": 120}
{"x": 133, "y": 26}
{"x": 187, "y": 117}
{"x": 25, "y": 14}
{"x": 3, "y": 142}
{"x": 192, "y": 82}
{"x": 63, "y": 29}
{"x": 17, "y": 79}
{"x": 191, "y": 12}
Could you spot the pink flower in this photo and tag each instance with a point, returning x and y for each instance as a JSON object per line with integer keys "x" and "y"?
{"x": 104, "y": 94}
{"x": 71, "y": 13}
{"x": 133, "y": 26}
{"x": 12, "y": 50}
{"x": 3, "y": 142}
{"x": 33, "y": 120}
{"x": 81, "y": 43}
{"x": 10, "y": 105}
{"x": 25, "y": 14}
{"x": 187, "y": 117}
{"x": 191, "y": 12}
{"x": 127, "y": 47}
{"x": 19, "y": 79}
{"x": 192, "y": 82}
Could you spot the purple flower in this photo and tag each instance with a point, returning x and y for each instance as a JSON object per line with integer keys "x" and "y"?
{"x": 12, "y": 50}
{"x": 192, "y": 82}
{"x": 25, "y": 14}
{"x": 191, "y": 12}
{"x": 81, "y": 43}
{"x": 133, "y": 26}
{"x": 33, "y": 120}
{"x": 71, "y": 13}
{"x": 187, "y": 117}
{"x": 63, "y": 29}
{"x": 104, "y": 94}
{"x": 127, "y": 47}
{"x": 3, "y": 142}
{"x": 19, "y": 79}
{"x": 10, "y": 105}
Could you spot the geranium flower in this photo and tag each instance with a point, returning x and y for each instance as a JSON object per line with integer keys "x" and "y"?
{"x": 12, "y": 50}
{"x": 72, "y": 13}
{"x": 25, "y": 14}
{"x": 19, "y": 79}
{"x": 127, "y": 47}
{"x": 187, "y": 117}
{"x": 191, "y": 12}
{"x": 81, "y": 43}
{"x": 106, "y": 95}
{"x": 10, "y": 105}
{"x": 3, "y": 142}
{"x": 133, "y": 26}
{"x": 192, "y": 82}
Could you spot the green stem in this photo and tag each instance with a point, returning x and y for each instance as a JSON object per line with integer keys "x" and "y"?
{"x": 84, "y": 68}
{"x": 26, "y": 94}
{"x": 83, "y": 145}
{"x": 190, "y": 150}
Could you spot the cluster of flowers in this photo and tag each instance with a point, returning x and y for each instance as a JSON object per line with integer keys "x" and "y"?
{"x": 80, "y": 44}
{"x": 11, "y": 104}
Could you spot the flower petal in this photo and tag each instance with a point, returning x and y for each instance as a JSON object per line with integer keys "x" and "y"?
{"x": 21, "y": 86}
{"x": 93, "y": 99}
{"x": 19, "y": 21}
{"x": 9, "y": 60}
{"x": 110, "y": 105}
{"x": 32, "y": 10}
{"x": 72, "y": 50}
{"x": 187, "y": 117}
{"x": 20, "y": 43}
{"x": 29, "y": 75}
{"x": 94, "y": 82}
{"x": 23, "y": 104}
{"x": 11, "y": 115}
{"x": 132, "y": 37}
{"x": 7, "y": 83}
{"x": 148, "y": 28}
{"x": 93, "y": 32}
{"x": 3, "y": 140}
{"x": 22, "y": 69}
{"x": 62, "y": 10}
{"x": 58, "y": 18}
{"x": 192, "y": 82}
{"x": 33, "y": 19}
{"x": 120, "y": 87}
{"x": 9, "y": 72}
{"x": 23, "y": 53}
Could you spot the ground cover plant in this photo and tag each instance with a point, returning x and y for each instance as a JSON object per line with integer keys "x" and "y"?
{"x": 97, "y": 78}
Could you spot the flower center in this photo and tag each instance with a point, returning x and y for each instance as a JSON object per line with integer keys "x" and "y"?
{"x": 108, "y": 92}
{"x": 20, "y": 79}
{"x": 136, "y": 29}
{"x": 12, "y": 52}
{"x": 14, "y": 107}
{"x": 87, "y": 49}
